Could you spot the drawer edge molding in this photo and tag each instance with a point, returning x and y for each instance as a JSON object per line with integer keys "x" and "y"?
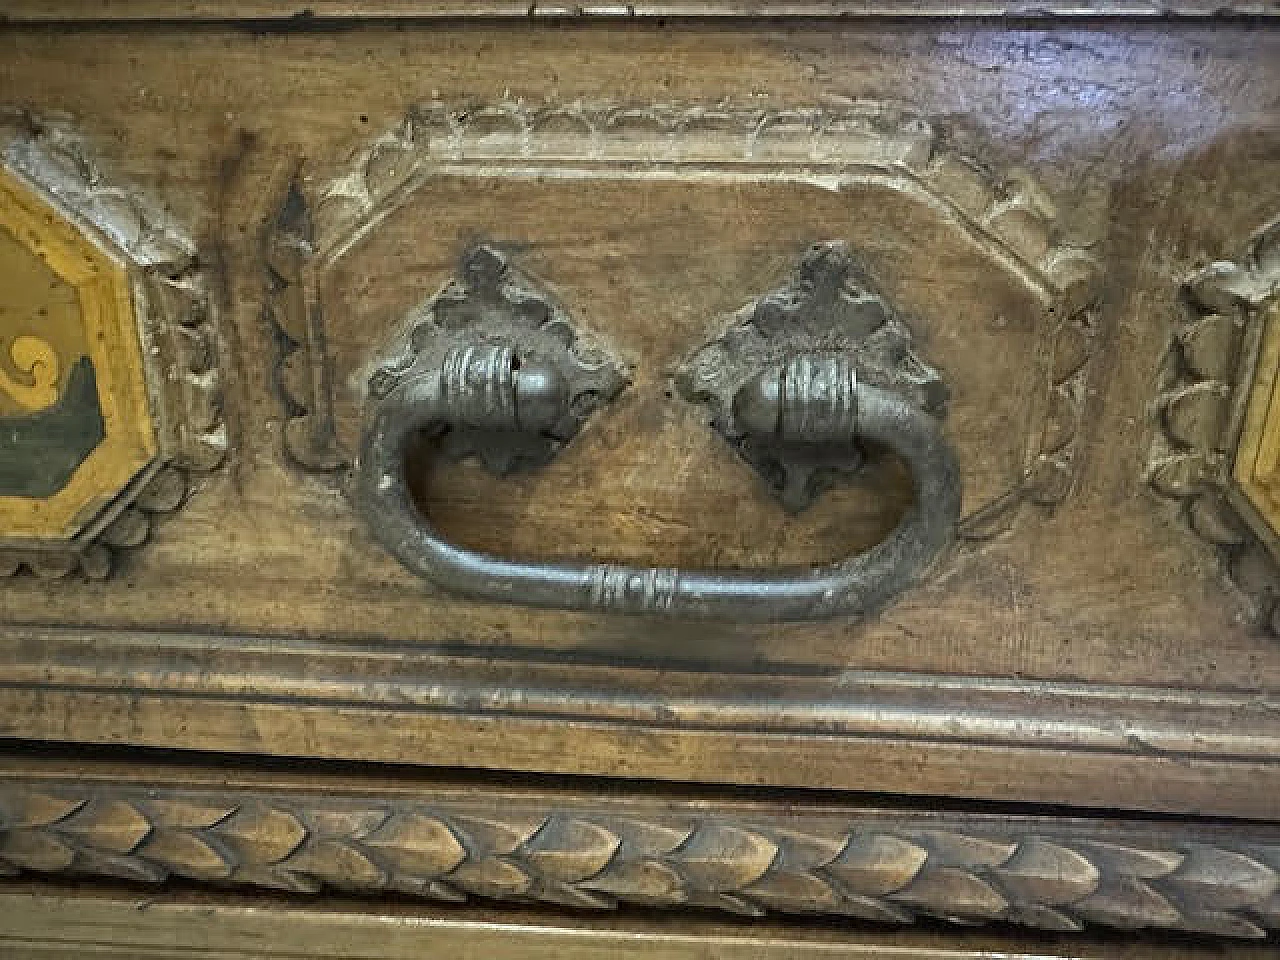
{"x": 1097, "y": 745}
{"x": 318, "y": 834}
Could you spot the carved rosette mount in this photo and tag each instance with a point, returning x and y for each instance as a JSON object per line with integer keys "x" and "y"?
{"x": 802, "y": 349}
{"x": 109, "y": 385}
{"x": 1215, "y": 453}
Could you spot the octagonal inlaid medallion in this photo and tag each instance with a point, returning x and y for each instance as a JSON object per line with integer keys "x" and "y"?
{"x": 109, "y": 383}
{"x": 75, "y": 423}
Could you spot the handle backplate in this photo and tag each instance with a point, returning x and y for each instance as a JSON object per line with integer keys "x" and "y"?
{"x": 802, "y": 343}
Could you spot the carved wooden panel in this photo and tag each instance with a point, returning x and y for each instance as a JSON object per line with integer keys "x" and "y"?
{"x": 1038, "y": 206}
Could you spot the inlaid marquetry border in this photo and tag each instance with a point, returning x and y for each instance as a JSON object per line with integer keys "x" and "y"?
{"x": 176, "y": 329}
{"x": 324, "y": 835}
{"x": 1010, "y": 218}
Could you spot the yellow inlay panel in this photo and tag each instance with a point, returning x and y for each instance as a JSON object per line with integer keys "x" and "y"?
{"x": 63, "y": 298}
{"x": 1257, "y": 464}
{"x": 40, "y": 321}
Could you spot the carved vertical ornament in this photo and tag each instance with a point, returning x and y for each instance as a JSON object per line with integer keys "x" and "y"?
{"x": 109, "y": 386}
{"x": 1216, "y": 451}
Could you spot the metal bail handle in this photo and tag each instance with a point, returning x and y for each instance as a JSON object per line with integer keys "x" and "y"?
{"x": 812, "y": 398}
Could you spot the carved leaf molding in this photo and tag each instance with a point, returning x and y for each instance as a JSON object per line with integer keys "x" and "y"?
{"x": 179, "y": 337}
{"x": 888, "y": 868}
{"x": 1200, "y": 409}
{"x": 1011, "y": 218}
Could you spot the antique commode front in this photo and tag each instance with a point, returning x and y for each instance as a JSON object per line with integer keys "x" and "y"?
{"x": 775, "y": 472}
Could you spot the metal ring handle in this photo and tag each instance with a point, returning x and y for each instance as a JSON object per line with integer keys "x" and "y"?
{"x": 532, "y": 395}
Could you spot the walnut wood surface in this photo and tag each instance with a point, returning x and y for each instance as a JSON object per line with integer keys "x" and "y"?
{"x": 1150, "y": 147}
{"x": 43, "y": 922}
{"x": 61, "y": 11}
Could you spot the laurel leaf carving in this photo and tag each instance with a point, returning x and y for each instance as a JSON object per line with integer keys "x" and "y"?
{"x": 274, "y": 878}
{"x": 1214, "y": 521}
{"x": 1223, "y": 925}
{"x": 646, "y": 881}
{"x": 722, "y": 857}
{"x": 1208, "y": 346}
{"x": 1222, "y": 879}
{"x": 498, "y": 836}
{"x": 35, "y": 809}
{"x": 1046, "y": 873}
{"x": 492, "y": 877}
{"x": 794, "y": 891}
{"x": 346, "y": 822}
{"x": 953, "y": 892}
{"x": 956, "y": 850}
{"x": 571, "y": 849}
{"x": 1194, "y": 415}
{"x": 181, "y": 813}
{"x": 1179, "y": 476}
{"x": 337, "y": 864}
{"x": 1044, "y": 918}
{"x": 872, "y": 908}
{"x": 876, "y": 864}
{"x": 886, "y": 868}
{"x": 260, "y": 834}
{"x": 185, "y": 854}
{"x": 31, "y": 850}
{"x": 1132, "y": 861}
{"x": 134, "y": 869}
{"x": 1130, "y": 904}
{"x": 418, "y": 844}
{"x": 112, "y": 826}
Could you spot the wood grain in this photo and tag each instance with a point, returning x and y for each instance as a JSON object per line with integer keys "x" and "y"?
{"x": 1105, "y": 588}
{"x": 39, "y": 922}
{"x": 41, "y": 11}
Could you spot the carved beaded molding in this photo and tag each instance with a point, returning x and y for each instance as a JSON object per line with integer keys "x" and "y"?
{"x": 177, "y": 327}
{"x": 890, "y": 867}
{"x": 1200, "y": 412}
{"x": 1011, "y": 219}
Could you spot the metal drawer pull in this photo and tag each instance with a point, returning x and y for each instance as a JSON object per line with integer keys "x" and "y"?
{"x": 498, "y": 387}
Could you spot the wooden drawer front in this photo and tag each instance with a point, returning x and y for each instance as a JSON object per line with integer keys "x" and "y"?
{"x": 1064, "y": 218}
